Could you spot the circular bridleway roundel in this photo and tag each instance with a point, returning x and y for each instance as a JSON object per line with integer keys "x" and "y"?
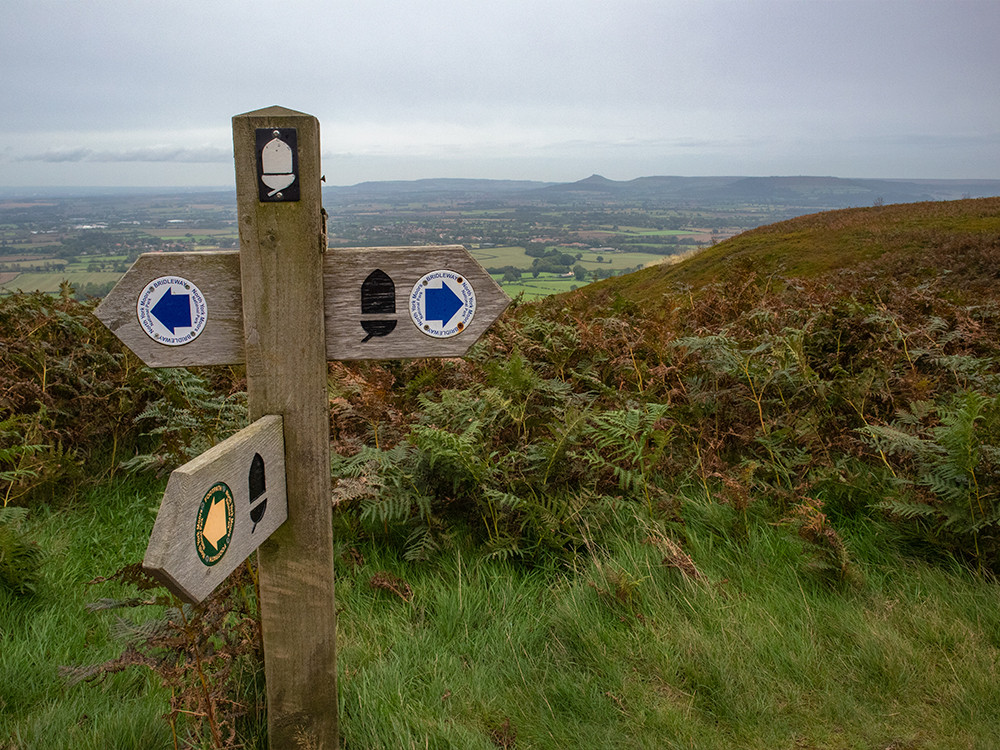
{"x": 442, "y": 304}
{"x": 214, "y": 525}
{"x": 172, "y": 310}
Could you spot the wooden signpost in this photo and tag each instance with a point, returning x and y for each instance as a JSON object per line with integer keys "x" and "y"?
{"x": 355, "y": 281}
{"x": 404, "y": 302}
{"x": 284, "y": 305}
{"x": 217, "y": 277}
{"x": 234, "y": 506}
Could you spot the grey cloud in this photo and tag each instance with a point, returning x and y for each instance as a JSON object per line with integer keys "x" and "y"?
{"x": 60, "y": 155}
{"x": 940, "y": 140}
{"x": 556, "y": 89}
{"x": 200, "y": 155}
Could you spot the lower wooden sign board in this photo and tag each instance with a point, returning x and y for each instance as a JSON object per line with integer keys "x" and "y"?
{"x": 217, "y": 509}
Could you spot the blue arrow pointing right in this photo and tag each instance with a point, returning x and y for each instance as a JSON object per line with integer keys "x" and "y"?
{"x": 442, "y": 304}
{"x": 173, "y": 310}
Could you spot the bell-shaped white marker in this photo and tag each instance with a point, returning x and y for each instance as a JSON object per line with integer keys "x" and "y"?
{"x": 276, "y": 161}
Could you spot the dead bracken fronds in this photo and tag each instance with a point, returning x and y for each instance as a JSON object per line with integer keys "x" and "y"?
{"x": 393, "y": 584}
{"x": 679, "y": 559}
{"x": 207, "y": 654}
{"x": 675, "y": 557}
{"x": 504, "y": 735}
{"x": 828, "y": 557}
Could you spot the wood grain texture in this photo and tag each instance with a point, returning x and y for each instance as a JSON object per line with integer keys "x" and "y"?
{"x": 216, "y": 274}
{"x": 281, "y": 267}
{"x": 346, "y": 270}
{"x": 171, "y": 555}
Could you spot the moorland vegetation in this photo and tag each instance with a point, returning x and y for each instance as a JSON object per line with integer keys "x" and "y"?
{"x": 748, "y": 500}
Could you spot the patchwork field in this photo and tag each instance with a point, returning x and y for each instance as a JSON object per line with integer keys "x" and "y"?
{"x": 49, "y": 282}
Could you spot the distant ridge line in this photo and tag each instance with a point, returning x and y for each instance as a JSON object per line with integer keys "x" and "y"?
{"x": 799, "y": 190}
{"x": 805, "y": 191}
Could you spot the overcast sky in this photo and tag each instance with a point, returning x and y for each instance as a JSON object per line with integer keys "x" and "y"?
{"x": 140, "y": 92}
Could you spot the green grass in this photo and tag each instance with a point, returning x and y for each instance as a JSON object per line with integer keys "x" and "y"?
{"x": 499, "y": 257}
{"x": 51, "y": 262}
{"x": 514, "y": 256}
{"x": 545, "y": 285}
{"x": 81, "y": 262}
{"x": 92, "y": 536}
{"x": 623, "y": 651}
{"x": 616, "y": 650}
{"x": 618, "y": 261}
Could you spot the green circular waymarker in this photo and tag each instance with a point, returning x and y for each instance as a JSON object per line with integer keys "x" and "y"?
{"x": 214, "y": 527}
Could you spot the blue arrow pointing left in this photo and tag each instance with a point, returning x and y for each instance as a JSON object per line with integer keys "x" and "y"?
{"x": 173, "y": 310}
{"x": 442, "y": 304}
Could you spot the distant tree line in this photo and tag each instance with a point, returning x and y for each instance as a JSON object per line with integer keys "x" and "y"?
{"x": 512, "y": 274}
{"x": 84, "y": 292}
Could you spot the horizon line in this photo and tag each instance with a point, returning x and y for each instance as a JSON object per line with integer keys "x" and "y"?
{"x": 218, "y": 188}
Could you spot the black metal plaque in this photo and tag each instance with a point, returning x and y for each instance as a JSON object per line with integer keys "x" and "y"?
{"x": 277, "y": 165}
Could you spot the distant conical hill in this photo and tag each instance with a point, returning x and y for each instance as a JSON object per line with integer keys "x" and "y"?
{"x": 956, "y": 242}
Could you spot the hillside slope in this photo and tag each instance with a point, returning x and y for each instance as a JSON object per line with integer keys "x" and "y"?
{"x": 704, "y": 506}
{"x": 850, "y": 358}
{"x": 753, "y": 436}
{"x": 924, "y": 239}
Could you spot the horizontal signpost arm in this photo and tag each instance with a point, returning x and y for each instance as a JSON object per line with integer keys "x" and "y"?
{"x": 348, "y": 337}
{"x": 351, "y": 333}
{"x": 215, "y": 274}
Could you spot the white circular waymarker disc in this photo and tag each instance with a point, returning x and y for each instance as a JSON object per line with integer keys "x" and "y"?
{"x": 172, "y": 310}
{"x": 442, "y": 304}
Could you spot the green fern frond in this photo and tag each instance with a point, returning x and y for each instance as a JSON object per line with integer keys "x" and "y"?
{"x": 20, "y": 560}
{"x": 954, "y": 463}
{"x": 502, "y": 499}
{"x": 908, "y": 510}
{"x": 893, "y": 440}
{"x": 420, "y": 545}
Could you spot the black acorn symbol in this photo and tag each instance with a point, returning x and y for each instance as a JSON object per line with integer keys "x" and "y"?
{"x": 257, "y": 488}
{"x": 378, "y": 297}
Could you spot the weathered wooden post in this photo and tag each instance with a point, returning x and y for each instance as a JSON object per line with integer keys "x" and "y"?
{"x": 283, "y": 306}
{"x": 282, "y": 244}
